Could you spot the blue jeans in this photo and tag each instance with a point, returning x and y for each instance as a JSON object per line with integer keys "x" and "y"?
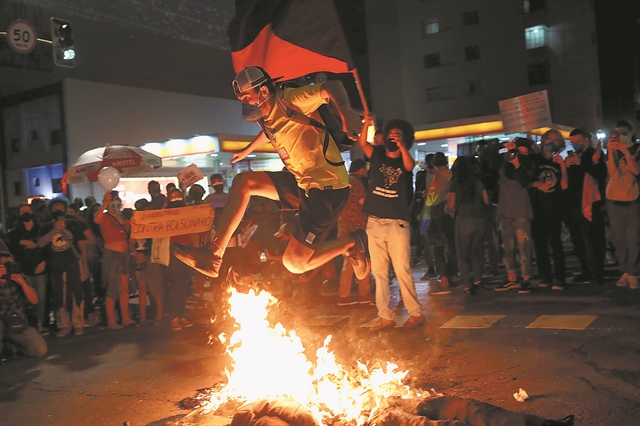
{"x": 389, "y": 240}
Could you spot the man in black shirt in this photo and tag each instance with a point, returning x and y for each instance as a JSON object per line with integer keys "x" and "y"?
{"x": 22, "y": 240}
{"x": 550, "y": 180}
{"x": 587, "y": 174}
{"x": 61, "y": 239}
{"x": 387, "y": 204}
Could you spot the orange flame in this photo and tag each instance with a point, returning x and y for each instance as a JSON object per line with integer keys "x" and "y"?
{"x": 269, "y": 362}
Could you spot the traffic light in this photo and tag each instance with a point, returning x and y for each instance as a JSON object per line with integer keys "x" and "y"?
{"x": 62, "y": 41}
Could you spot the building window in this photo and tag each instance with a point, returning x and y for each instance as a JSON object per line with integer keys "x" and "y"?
{"x": 472, "y": 53}
{"x": 431, "y": 61}
{"x": 430, "y": 27}
{"x": 56, "y": 137}
{"x": 56, "y": 185}
{"x": 17, "y": 189}
{"x": 535, "y": 36}
{"x": 474, "y": 87}
{"x": 15, "y": 145}
{"x": 434, "y": 94}
{"x": 539, "y": 74}
{"x": 470, "y": 18}
{"x": 533, "y": 5}
{"x": 36, "y": 182}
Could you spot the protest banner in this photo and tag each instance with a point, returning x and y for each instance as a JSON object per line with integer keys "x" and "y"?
{"x": 171, "y": 222}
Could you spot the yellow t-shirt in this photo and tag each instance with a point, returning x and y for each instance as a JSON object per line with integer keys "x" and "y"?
{"x": 300, "y": 146}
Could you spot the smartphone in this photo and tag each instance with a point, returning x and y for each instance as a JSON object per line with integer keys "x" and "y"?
{"x": 570, "y": 153}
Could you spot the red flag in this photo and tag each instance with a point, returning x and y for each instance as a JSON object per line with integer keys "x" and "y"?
{"x": 289, "y": 38}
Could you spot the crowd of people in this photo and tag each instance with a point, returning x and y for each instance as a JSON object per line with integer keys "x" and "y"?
{"x": 77, "y": 265}
{"x": 511, "y": 200}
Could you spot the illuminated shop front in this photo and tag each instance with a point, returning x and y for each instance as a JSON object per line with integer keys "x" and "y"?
{"x": 456, "y": 136}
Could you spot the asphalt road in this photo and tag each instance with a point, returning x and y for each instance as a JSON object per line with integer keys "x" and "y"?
{"x": 573, "y": 352}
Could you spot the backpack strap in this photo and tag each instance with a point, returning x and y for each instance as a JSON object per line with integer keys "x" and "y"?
{"x": 300, "y": 118}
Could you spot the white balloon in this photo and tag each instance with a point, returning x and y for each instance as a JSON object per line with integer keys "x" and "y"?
{"x": 108, "y": 177}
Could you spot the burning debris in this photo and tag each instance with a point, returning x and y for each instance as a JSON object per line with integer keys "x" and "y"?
{"x": 272, "y": 382}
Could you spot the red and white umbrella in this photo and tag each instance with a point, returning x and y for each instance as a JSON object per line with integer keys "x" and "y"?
{"x": 129, "y": 160}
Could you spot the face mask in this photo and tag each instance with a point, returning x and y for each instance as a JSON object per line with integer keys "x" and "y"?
{"x": 26, "y": 217}
{"x": 578, "y": 148}
{"x": 251, "y": 112}
{"x": 58, "y": 214}
{"x": 626, "y": 140}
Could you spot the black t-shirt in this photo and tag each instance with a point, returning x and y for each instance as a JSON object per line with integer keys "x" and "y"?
{"x": 547, "y": 202}
{"x": 62, "y": 249}
{"x": 469, "y": 208}
{"x": 388, "y": 189}
{"x": 27, "y": 258}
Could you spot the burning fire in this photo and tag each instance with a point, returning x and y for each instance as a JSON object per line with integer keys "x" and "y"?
{"x": 269, "y": 362}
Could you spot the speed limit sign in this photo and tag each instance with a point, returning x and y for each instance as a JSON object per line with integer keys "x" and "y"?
{"x": 21, "y": 36}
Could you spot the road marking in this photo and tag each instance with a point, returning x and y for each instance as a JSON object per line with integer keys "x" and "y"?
{"x": 472, "y": 321}
{"x": 564, "y": 322}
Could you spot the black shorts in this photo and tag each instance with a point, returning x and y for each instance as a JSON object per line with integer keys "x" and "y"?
{"x": 318, "y": 212}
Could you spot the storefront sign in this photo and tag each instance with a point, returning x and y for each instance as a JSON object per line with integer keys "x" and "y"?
{"x": 171, "y": 222}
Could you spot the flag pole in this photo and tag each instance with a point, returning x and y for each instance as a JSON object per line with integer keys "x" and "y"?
{"x": 356, "y": 77}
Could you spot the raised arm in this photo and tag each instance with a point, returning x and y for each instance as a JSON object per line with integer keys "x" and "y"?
{"x": 333, "y": 90}
{"x": 365, "y": 146}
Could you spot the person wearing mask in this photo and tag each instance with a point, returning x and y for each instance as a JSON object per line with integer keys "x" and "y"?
{"x": 116, "y": 259}
{"x": 623, "y": 201}
{"x": 515, "y": 174}
{"x": 14, "y": 327}
{"x": 315, "y": 183}
{"x": 218, "y": 198}
{"x": 584, "y": 205}
{"x": 468, "y": 198}
{"x": 387, "y": 206}
{"x": 61, "y": 239}
{"x": 22, "y": 240}
{"x": 547, "y": 192}
{"x": 353, "y": 218}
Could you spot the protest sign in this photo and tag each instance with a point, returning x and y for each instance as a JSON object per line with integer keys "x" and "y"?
{"x": 189, "y": 175}
{"x": 171, "y": 222}
{"x": 524, "y": 113}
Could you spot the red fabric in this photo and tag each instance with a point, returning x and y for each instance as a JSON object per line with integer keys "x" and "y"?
{"x": 590, "y": 194}
{"x": 112, "y": 231}
{"x": 289, "y": 38}
{"x": 282, "y": 58}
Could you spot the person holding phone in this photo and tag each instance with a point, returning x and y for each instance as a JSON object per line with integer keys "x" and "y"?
{"x": 584, "y": 204}
{"x": 623, "y": 201}
{"x": 547, "y": 192}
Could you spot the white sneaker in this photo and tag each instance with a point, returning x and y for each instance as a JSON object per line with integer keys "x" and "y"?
{"x": 633, "y": 282}
{"x": 623, "y": 281}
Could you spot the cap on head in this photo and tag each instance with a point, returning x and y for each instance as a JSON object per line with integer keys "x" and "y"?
{"x": 216, "y": 179}
{"x": 251, "y": 77}
{"x": 175, "y": 195}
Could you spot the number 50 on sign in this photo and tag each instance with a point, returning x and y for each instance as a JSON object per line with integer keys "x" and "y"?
{"x": 21, "y": 36}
